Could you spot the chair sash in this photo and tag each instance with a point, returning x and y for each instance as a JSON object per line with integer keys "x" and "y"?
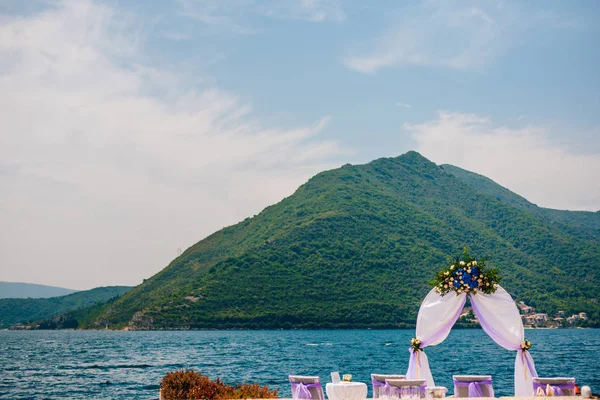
{"x": 476, "y": 388}
{"x": 377, "y": 385}
{"x": 557, "y": 390}
{"x": 301, "y": 390}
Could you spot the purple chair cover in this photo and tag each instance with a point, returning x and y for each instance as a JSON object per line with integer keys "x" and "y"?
{"x": 557, "y": 389}
{"x": 476, "y": 388}
{"x": 377, "y": 385}
{"x": 301, "y": 390}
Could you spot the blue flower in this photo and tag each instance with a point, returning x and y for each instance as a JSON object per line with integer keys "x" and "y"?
{"x": 456, "y": 284}
{"x": 475, "y": 271}
{"x": 473, "y": 284}
{"x": 466, "y": 278}
{"x": 460, "y": 271}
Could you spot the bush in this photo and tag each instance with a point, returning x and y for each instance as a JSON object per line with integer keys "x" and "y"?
{"x": 187, "y": 384}
{"x": 249, "y": 391}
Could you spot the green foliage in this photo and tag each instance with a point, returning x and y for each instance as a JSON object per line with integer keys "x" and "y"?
{"x": 187, "y": 384}
{"x": 15, "y": 311}
{"x": 355, "y": 247}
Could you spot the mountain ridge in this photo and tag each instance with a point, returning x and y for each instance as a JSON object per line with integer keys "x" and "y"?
{"x": 23, "y": 290}
{"x": 14, "y": 311}
{"x": 589, "y": 221}
{"x": 355, "y": 247}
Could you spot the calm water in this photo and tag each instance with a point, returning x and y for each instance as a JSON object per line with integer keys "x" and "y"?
{"x": 119, "y": 365}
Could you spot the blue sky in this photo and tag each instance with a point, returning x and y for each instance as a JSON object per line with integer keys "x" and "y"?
{"x": 130, "y": 129}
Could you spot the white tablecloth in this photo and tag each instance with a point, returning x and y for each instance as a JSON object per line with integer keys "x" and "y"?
{"x": 346, "y": 390}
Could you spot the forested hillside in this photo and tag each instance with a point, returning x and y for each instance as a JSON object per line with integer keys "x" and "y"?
{"x": 357, "y": 246}
{"x": 15, "y": 311}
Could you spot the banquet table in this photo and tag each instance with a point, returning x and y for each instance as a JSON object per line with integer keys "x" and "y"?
{"x": 346, "y": 390}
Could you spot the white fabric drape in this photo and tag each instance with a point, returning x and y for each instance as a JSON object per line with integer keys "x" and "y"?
{"x": 436, "y": 317}
{"x": 500, "y": 319}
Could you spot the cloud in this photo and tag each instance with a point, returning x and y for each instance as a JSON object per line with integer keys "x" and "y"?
{"x": 176, "y": 36}
{"x": 108, "y": 165}
{"x": 525, "y": 159}
{"x": 558, "y": 21}
{"x": 459, "y": 35}
{"x": 310, "y": 10}
{"x": 233, "y": 15}
{"x": 403, "y": 105}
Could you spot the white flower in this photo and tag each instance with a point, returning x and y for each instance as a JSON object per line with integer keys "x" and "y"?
{"x": 445, "y": 286}
{"x": 469, "y": 270}
{"x": 468, "y": 264}
{"x": 451, "y": 267}
{"x": 487, "y": 284}
{"x": 459, "y": 290}
{"x": 474, "y": 262}
{"x": 462, "y": 263}
{"x": 446, "y": 272}
{"x": 495, "y": 285}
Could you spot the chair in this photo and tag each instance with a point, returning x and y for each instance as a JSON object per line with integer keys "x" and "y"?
{"x": 400, "y": 386}
{"x": 306, "y": 387}
{"x": 558, "y": 386}
{"x": 378, "y": 382}
{"x": 473, "y": 386}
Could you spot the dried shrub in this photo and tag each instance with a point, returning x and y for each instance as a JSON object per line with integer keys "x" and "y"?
{"x": 207, "y": 389}
{"x": 179, "y": 384}
{"x": 249, "y": 391}
{"x": 187, "y": 384}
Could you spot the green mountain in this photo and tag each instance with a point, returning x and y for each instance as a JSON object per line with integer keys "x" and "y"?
{"x": 357, "y": 246}
{"x": 19, "y": 290}
{"x": 18, "y": 311}
{"x": 583, "y": 224}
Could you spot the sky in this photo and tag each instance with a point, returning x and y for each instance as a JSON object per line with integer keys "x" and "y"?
{"x": 131, "y": 130}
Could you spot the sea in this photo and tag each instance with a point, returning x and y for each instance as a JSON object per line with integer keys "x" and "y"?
{"x": 130, "y": 365}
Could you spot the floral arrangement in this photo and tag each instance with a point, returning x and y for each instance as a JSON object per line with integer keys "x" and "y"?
{"x": 466, "y": 276}
{"x": 415, "y": 343}
{"x": 525, "y": 345}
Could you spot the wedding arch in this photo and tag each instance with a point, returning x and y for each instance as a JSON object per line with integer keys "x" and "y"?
{"x": 492, "y": 305}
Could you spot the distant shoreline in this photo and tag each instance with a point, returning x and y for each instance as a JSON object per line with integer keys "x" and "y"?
{"x": 264, "y": 329}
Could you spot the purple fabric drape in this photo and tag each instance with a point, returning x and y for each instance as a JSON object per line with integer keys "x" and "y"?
{"x": 558, "y": 390}
{"x": 476, "y": 388}
{"x": 377, "y": 385}
{"x": 301, "y": 390}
